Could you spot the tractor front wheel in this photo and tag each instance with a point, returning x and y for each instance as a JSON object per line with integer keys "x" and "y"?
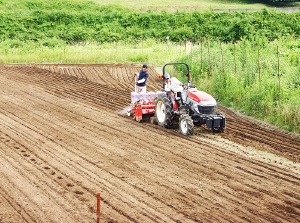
{"x": 186, "y": 125}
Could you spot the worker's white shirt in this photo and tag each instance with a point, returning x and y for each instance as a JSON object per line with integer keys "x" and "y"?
{"x": 175, "y": 85}
{"x": 140, "y": 89}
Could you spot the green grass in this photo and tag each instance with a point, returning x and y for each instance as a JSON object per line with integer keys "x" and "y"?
{"x": 155, "y": 5}
{"x": 148, "y": 51}
{"x": 187, "y": 5}
{"x": 261, "y": 81}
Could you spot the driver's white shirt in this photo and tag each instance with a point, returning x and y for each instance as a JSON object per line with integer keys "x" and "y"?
{"x": 175, "y": 85}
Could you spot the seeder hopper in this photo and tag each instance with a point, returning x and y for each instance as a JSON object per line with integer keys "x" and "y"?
{"x": 142, "y": 104}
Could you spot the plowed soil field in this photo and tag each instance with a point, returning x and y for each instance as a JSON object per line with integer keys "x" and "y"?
{"x": 65, "y": 136}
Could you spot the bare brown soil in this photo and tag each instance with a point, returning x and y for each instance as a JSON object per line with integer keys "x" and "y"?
{"x": 64, "y": 138}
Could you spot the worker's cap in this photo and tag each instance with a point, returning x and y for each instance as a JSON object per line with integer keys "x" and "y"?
{"x": 145, "y": 66}
{"x": 167, "y": 76}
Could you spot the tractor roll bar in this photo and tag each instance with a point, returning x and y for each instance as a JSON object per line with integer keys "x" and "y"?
{"x": 182, "y": 63}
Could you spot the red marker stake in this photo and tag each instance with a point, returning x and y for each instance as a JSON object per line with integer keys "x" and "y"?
{"x": 98, "y": 207}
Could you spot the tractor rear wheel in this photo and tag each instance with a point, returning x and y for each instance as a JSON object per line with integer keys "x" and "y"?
{"x": 163, "y": 111}
{"x": 186, "y": 125}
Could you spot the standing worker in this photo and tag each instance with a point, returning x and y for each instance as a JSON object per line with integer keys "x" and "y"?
{"x": 142, "y": 79}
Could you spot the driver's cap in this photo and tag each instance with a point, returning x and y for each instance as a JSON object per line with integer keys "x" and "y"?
{"x": 167, "y": 76}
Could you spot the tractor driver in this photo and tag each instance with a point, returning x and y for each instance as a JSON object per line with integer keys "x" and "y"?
{"x": 142, "y": 79}
{"x": 176, "y": 86}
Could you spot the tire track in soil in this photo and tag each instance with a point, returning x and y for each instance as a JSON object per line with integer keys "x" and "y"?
{"x": 241, "y": 130}
{"x": 10, "y": 210}
{"x": 36, "y": 202}
{"x": 86, "y": 91}
{"x": 73, "y": 182}
{"x": 186, "y": 200}
{"x": 247, "y": 132}
{"x": 22, "y": 109}
{"x": 43, "y": 166}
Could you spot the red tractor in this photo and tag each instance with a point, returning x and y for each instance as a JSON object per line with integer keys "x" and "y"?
{"x": 198, "y": 108}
